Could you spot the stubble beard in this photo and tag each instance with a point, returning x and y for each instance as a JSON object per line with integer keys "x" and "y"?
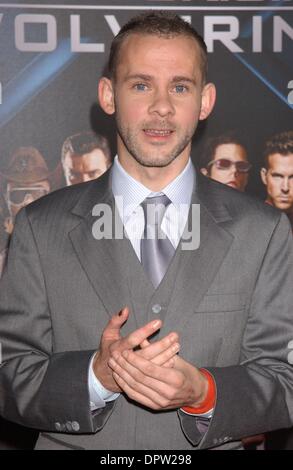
{"x": 285, "y": 207}
{"x": 157, "y": 157}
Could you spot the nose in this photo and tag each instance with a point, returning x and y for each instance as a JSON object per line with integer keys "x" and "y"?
{"x": 162, "y": 104}
{"x": 28, "y": 199}
{"x": 285, "y": 185}
{"x": 233, "y": 171}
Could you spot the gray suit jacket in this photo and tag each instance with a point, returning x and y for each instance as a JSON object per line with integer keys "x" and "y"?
{"x": 230, "y": 301}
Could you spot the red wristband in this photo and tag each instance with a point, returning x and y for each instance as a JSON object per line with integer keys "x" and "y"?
{"x": 209, "y": 402}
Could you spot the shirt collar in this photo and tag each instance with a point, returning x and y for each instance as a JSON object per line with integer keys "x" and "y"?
{"x": 132, "y": 192}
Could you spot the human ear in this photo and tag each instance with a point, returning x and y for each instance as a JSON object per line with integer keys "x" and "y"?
{"x": 263, "y": 175}
{"x": 208, "y": 98}
{"x": 106, "y": 95}
{"x": 204, "y": 171}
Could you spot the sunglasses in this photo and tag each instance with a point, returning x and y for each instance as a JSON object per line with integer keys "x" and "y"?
{"x": 225, "y": 164}
{"x": 18, "y": 195}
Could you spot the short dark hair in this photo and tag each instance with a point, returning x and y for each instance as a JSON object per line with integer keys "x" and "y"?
{"x": 213, "y": 142}
{"x": 85, "y": 142}
{"x": 281, "y": 143}
{"x": 162, "y": 24}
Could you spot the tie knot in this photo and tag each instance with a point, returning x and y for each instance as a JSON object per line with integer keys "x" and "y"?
{"x": 162, "y": 199}
{"x": 154, "y": 209}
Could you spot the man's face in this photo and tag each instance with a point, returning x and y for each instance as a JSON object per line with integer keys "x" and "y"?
{"x": 86, "y": 167}
{"x": 230, "y": 176}
{"x": 158, "y": 99}
{"x": 20, "y": 195}
{"x": 278, "y": 179}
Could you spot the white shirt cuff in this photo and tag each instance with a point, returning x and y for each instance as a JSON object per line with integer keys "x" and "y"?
{"x": 99, "y": 395}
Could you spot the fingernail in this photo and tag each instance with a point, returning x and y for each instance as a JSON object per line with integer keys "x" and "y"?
{"x": 156, "y": 323}
{"x": 173, "y": 336}
{"x": 176, "y": 347}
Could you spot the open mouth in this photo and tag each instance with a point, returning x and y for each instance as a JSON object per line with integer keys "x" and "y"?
{"x": 158, "y": 133}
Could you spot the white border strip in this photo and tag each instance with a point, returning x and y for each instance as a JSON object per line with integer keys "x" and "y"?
{"x": 140, "y": 7}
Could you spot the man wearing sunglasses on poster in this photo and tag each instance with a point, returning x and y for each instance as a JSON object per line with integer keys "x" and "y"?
{"x": 26, "y": 181}
{"x": 225, "y": 160}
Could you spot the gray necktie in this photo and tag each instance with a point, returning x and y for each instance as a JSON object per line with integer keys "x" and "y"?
{"x": 156, "y": 248}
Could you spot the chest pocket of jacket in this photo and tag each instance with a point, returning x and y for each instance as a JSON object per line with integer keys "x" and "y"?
{"x": 214, "y": 329}
{"x": 222, "y": 303}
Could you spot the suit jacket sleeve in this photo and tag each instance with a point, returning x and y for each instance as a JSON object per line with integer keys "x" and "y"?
{"x": 257, "y": 395}
{"x": 38, "y": 388}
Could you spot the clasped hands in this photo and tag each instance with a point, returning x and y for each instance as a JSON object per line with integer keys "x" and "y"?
{"x": 151, "y": 374}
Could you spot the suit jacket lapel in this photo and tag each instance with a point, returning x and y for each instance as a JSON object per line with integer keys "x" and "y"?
{"x": 197, "y": 268}
{"x": 102, "y": 260}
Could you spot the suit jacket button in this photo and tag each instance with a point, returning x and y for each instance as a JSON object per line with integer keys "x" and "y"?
{"x": 69, "y": 426}
{"x": 156, "y": 308}
{"x": 75, "y": 426}
{"x": 58, "y": 427}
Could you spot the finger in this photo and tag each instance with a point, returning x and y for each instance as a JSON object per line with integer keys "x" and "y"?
{"x": 136, "y": 385}
{"x": 136, "y": 396}
{"x": 112, "y": 330}
{"x": 165, "y": 356}
{"x": 145, "y": 344}
{"x": 154, "y": 349}
{"x": 136, "y": 389}
{"x": 170, "y": 363}
{"x": 135, "y": 338}
{"x": 142, "y": 369}
{"x": 139, "y": 365}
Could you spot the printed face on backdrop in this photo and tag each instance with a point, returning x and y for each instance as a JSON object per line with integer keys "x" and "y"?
{"x": 278, "y": 179}
{"x": 232, "y": 173}
{"x": 158, "y": 97}
{"x": 86, "y": 167}
{"x": 20, "y": 195}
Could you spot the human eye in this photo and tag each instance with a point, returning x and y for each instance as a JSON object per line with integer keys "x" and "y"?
{"x": 140, "y": 86}
{"x": 180, "y": 89}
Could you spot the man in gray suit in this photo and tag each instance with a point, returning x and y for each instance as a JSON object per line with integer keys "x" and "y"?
{"x": 91, "y": 379}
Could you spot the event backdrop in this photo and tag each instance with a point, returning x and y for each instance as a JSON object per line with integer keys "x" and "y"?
{"x": 53, "y": 53}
